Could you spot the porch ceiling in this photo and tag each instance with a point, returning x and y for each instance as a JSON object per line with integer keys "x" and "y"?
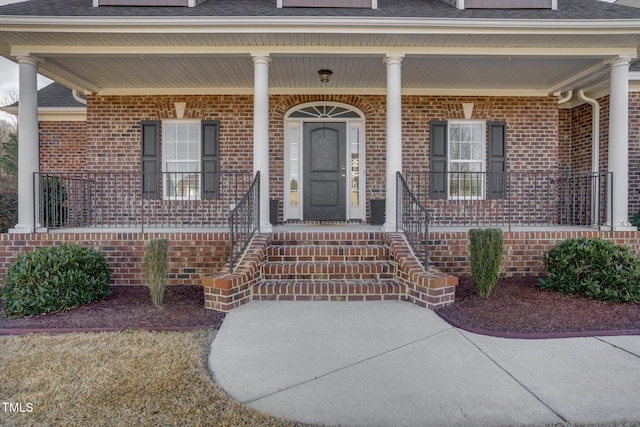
{"x": 292, "y": 73}
{"x": 436, "y": 61}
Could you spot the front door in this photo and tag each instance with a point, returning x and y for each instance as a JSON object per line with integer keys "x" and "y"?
{"x": 325, "y": 172}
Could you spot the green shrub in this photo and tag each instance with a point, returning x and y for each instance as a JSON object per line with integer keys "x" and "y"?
{"x": 156, "y": 268}
{"x": 596, "y": 268}
{"x": 53, "y": 279}
{"x": 8, "y": 208}
{"x": 635, "y": 220}
{"x": 485, "y": 253}
{"x": 53, "y": 198}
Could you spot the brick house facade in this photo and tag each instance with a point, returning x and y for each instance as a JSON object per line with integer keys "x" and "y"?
{"x": 483, "y": 117}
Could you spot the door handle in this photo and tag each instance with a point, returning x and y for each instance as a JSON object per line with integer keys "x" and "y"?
{"x": 344, "y": 167}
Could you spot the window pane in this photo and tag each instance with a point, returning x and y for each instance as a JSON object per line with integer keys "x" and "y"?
{"x": 181, "y": 154}
{"x": 466, "y": 151}
{"x": 454, "y": 133}
{"x": 477, "y": 135}
{"x": 355, "y": 167}
{"x": 293, "y": 190}
{"x": 181, "y": 181}
{"x": 454, "y": 150}
{"x": 294, "y": 165}
{"x": 182, "y": 141}
{"x": 476, "y": 151}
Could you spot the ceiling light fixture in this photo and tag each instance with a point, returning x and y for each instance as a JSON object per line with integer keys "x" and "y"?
{"x": 325, "y": 75}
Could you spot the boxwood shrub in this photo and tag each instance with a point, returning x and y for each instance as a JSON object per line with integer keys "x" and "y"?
{"x": 54, "y": 278}
{"x": 8, "y": 207}
{"x": 485, "y": 254}
{"x": 596, "y": 268}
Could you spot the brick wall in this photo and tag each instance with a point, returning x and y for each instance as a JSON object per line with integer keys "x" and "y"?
{"x": 564, "y": 139}
{"x": 191, "y": 255}
{"x": 62, "y": 146}
{"x": 576, "y": 128}
{"x": 579, "y": 138}
{"x": 113, "y": 130}
{"x": 523, "y": 250}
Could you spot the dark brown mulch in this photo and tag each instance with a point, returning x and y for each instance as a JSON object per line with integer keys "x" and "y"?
{"x": 129, "y": 307}
{"x": 518, "y": 306}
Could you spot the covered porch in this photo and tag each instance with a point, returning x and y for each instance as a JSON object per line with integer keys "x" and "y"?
{"x": 391, "y": 88}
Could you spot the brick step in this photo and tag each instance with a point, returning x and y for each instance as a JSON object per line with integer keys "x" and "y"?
{"x": 307, "y": 270}
{"x": 358, "y": 238}
{"x": 333, "y": 290}
{"x": 324, "y": 253}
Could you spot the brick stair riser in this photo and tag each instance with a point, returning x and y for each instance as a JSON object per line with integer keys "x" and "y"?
{"x": 329, "y": 291}
{"x": 328, "y": 271}
{"x": 325, "y": 239}
{"x": 327, "y": 253}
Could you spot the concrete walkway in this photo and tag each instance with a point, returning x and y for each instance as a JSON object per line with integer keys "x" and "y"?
{"x": 395, "y": 364}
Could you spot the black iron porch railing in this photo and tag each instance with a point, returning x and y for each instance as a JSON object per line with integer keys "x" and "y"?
{"x": 413, "y": 220}
{"x": 244, "y": 221}
{"x": 137, "y": 200}
{"x": 513, "y": 199}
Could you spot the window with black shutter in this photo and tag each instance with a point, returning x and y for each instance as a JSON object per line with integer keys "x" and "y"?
{"x": 150, "y": 159}
{"x": 210, "y": 159}
{"x": 438, "y": 160}
{"x": 190, "y": 159}
{"x": 457, "y": 160}
{"x": 497, "y": 160}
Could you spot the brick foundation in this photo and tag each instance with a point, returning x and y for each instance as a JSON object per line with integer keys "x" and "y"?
{"x": 192, "y": 256}
{"x": 200, "y": 258}
{"x": 523, "y": 250}
{"x": 225, "y": 291}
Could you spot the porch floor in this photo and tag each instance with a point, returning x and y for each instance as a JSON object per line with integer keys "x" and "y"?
{"x": 329, "y": 227}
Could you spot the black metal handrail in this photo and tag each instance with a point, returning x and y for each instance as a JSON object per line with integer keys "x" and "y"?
{"x": 514, "y": 199}
{"x": 244, "y": 221}
{"x": 413, "y": 220}
{"x": 136, "y": 199}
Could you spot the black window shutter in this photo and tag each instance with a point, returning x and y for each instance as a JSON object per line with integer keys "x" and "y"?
{"x": 497, "y": 160}
{"x": 210, "y": 158}
{"x": 438, "y": 160}
{"x": 150, "y": 132}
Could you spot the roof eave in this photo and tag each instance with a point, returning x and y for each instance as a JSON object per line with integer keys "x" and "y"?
{"x": 54, "y": 114}
{"x": 248, "y": 24}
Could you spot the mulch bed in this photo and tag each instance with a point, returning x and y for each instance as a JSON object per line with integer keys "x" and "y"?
{"x": 129, "y": 307}
{"x": 518, "y": 307}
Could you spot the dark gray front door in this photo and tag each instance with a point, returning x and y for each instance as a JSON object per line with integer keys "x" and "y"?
{"x": 325, "y": 171}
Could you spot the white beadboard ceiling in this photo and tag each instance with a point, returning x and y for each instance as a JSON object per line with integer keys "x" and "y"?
{"x": 290, "y": 72}
{"x": 113, "y": 63}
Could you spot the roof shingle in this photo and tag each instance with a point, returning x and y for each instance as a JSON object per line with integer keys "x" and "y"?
{"x": 567, "y": 9}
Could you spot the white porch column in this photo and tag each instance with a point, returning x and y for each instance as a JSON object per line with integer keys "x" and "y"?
{"x": 619, "y": 143}
{"x": 28, "y": 148}
{"x": 261, "y": 134}
{"x": 394, "y": 137}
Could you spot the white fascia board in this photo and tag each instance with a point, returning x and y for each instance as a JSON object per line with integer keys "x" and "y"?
{"x": 634, "y": 76}
{"x": 109, "y": 24}
{"x": 62, "y": 114}
{"x": 323, "y": 91}
{"x": 52, "y": 51}
{"x": 55, "y": 114}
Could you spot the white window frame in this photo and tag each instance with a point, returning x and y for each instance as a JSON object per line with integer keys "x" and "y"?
{"x": 165, "y": 172}
{"x": 482, "y": 160}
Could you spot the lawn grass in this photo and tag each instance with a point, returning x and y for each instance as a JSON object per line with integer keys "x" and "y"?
{"x": 119, "y": 378}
